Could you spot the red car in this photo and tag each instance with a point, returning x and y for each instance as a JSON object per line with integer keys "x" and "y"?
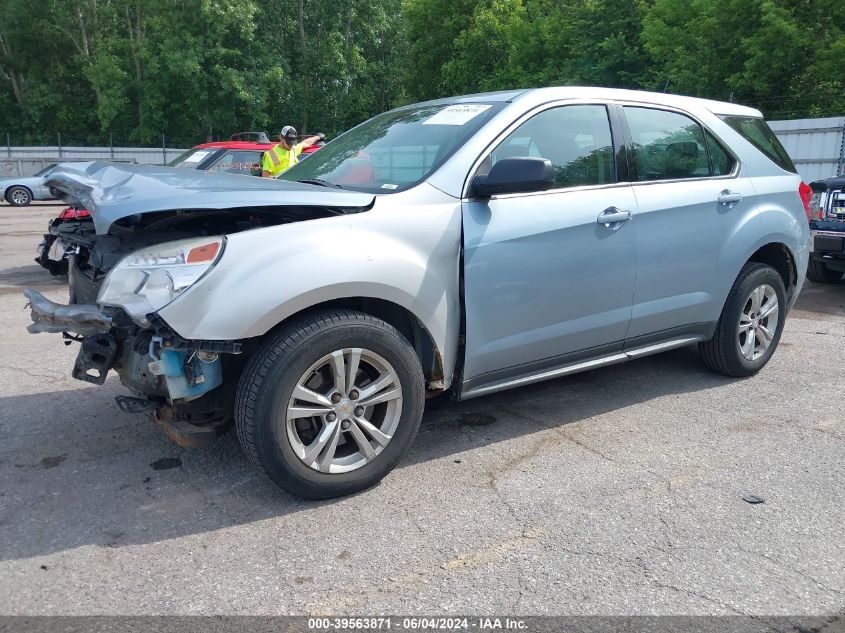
{"x": 239, "y": 155}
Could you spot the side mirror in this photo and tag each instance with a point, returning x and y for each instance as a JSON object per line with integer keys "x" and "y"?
{"x": 515, "y": 175}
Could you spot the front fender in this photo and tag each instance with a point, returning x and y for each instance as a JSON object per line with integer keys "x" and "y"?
{"x": 408, "y": 257}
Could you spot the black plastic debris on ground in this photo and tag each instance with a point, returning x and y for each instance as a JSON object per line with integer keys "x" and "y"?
{"x": 166, "y": 463}
{"x": 753, "y": 499}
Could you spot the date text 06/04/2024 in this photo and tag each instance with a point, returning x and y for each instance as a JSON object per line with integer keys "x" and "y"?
{"x": 415, "y": 624}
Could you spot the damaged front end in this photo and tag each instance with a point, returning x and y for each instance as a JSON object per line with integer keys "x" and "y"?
{"x": 153, "y": 233}
{"x": 175, "y": 380}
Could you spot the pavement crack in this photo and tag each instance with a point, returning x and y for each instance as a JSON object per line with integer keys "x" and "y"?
{"x": 511, "y": 464}
{"x": 52, "y": 378}
{"x": 559, "y": 431}
{"x": 696, "y": 594}
{"x": 587, "y": 447}
{"x": 667, "y": 528}
{"x": 787, "y": 567}
{"x": 413, "y": 518}
{"x": 544, "y": 442}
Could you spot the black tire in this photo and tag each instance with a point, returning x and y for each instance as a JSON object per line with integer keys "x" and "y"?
{"x": 81, "y": 289}
{"x": 23, "y": 195}
{"x": 272, "y": 373}
{"x": 821, "y": 274}
{"x": 722, "y": 353}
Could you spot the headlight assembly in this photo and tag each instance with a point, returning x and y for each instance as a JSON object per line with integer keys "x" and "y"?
{"x": 147, "y": 280}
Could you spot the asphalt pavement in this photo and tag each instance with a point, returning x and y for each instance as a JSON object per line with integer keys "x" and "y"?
{"x": 618, "y": 491}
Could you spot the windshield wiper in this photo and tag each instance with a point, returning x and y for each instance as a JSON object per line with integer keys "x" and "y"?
{"x": 319, "y": 181}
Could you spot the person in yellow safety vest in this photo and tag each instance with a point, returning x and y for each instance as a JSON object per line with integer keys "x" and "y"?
{"x": 282, "y": 156}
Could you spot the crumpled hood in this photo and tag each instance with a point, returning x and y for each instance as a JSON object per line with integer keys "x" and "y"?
{"x": 112, "y": 191}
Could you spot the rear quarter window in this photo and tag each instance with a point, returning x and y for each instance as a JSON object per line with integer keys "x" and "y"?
{"x": 755, "y": 131}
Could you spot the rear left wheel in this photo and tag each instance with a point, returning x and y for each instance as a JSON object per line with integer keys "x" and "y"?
{"x": 330, "y": 403}
{"x": 750, "y": 325}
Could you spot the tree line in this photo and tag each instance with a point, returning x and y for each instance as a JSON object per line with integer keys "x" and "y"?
{"x": 131, "y": 70}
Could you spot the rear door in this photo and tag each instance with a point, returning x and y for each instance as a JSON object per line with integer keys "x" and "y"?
{"x": 689, "y": 199}
{"x": 547, "y": 281}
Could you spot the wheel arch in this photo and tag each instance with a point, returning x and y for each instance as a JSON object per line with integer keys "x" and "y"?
{"x": 400, "y": 317}
{"x": 780, "y": 257}
{"x": 17, "y": 186}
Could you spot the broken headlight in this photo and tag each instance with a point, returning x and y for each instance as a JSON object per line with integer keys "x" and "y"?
{"x": 149, "y": 279}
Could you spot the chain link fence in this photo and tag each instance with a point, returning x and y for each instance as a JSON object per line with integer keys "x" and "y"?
{"x": 21, "y": 159}
{"x": 23, "y": 155}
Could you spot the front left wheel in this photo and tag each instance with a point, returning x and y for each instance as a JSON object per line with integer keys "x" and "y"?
{"x": 329, "y": 403}
{"x": 18, "y": 196}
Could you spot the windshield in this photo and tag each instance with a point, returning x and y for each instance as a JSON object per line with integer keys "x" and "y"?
{"x": 191, "y": 159}
{"x": 45, "y": 170}
{"x": 394, "y": 150}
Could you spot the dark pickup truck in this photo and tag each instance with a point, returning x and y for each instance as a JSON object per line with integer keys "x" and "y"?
{"x": 827, "y": 225}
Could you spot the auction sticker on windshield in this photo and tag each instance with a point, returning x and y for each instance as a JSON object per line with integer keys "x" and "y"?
{"x": 456, "y": 114}
{"x": 197, "y": 156}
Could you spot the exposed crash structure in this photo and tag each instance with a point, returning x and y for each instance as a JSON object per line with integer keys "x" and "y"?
{"x": 170, "y": 374}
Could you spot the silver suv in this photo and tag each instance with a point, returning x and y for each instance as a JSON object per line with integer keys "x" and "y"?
{"x": 466, "y": 245}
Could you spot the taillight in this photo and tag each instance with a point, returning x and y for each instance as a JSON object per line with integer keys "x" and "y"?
{"x": 74, "y": 214}
{"x": 806, "y": 192}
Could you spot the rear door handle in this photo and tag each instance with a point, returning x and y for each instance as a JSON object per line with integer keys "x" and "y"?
{"x": 612, "y": 215}
{"x": 729, "y": 198}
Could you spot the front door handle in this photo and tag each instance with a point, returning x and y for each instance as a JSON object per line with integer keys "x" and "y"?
{"x": 729, "y": 198}
{"x": 612, "y": 215}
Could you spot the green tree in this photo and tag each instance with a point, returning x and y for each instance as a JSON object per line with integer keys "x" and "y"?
{"x": 432, "y": 27}
{"x": 765, "y": 53}
{"x": 198, "y": 69}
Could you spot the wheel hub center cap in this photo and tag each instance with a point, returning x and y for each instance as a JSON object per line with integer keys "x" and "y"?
{"x": 344, "y": 408}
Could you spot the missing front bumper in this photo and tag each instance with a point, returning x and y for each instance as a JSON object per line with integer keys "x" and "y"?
{"x": 51, "y": 317}
{"x": 156, "y": 365}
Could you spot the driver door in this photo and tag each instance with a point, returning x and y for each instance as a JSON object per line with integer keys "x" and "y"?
{"x": 547, "y": 283}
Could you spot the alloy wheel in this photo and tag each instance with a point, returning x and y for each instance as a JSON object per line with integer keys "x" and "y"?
{"x": 758, "y": 322}
{"x": 344, "y": 410}
{"x": 20, "y": 197}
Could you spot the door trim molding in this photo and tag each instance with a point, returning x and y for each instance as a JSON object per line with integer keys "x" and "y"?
{"x": 585, "y": 360}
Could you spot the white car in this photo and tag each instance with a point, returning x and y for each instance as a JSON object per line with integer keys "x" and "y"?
{"x": 21, "y": 191}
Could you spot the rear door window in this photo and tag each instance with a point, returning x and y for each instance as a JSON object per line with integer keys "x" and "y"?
{"x": 721, "y": 162}
{"x": 755, "y": 131}
{"x": 667, "y": 145}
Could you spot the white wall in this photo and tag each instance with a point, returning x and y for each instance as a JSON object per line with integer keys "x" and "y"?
{"x": 816, "y": 146}
{"x": 25, "y": 161}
